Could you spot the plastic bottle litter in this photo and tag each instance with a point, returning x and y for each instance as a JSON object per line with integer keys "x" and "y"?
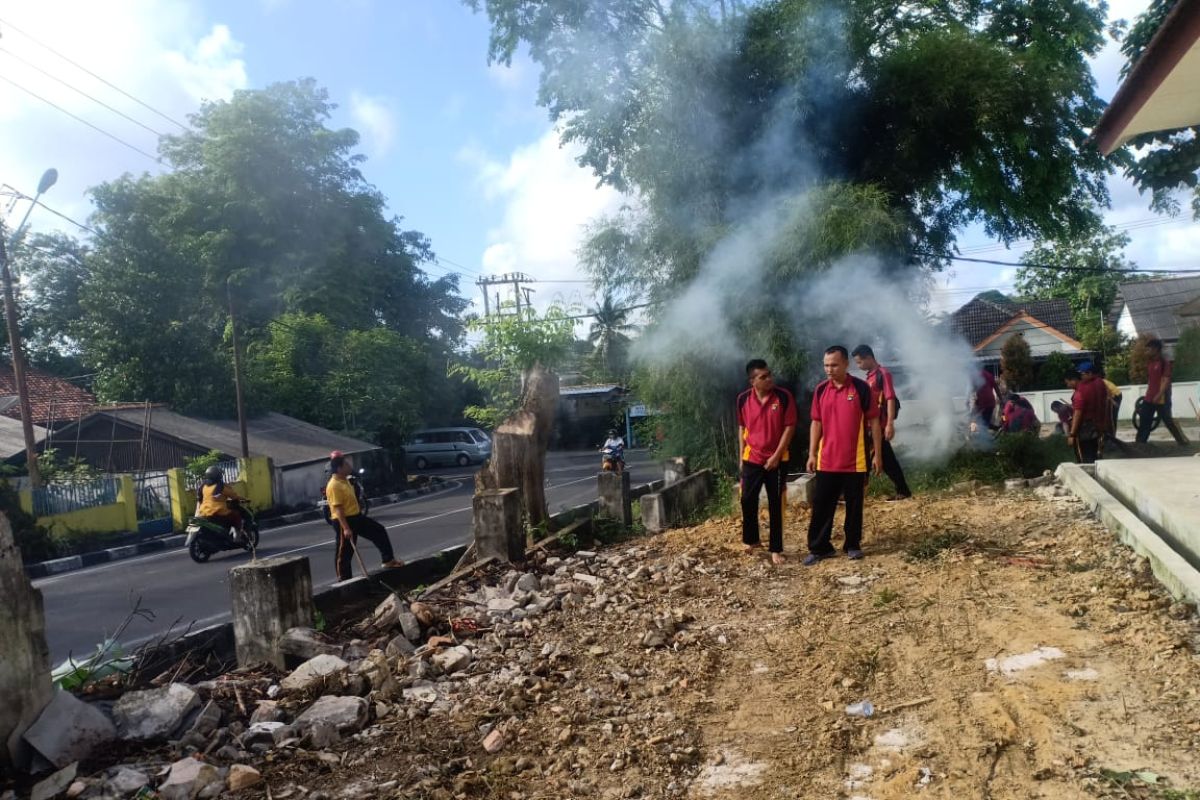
{"x": 863, "y": 708}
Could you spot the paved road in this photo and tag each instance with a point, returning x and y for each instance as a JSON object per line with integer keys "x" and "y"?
{"x": 84, "y": 606}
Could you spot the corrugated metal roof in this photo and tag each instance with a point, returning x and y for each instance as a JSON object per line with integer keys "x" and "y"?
{"x": 12, "y": 438}
{"x": 594, "y": 388}
{"x": 1154, "y": 305}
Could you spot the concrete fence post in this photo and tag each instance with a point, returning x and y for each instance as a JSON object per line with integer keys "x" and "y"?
{"x": 675, "y": 469}
{"x": 183, "y": 501}
{"x": 127, "y": 498}
{"x": 498, "y": 529}
{"x": 268, "y": 598}
{"x": 616, "y": 500}
{"x": 24, "y": 658}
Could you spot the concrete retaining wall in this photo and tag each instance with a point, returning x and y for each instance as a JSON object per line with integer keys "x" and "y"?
{"x": 672, "y": 505}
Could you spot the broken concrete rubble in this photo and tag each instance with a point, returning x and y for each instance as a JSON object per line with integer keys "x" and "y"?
{"x": 188, "y": 778}
{"x": 315, "y": 673}
{"x": 343, "y": 713}
{"x": 69, "y": 730}
{"x": 153, "y": 713}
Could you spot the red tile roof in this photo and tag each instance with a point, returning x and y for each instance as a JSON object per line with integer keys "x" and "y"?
{"x": 51, "y": 399}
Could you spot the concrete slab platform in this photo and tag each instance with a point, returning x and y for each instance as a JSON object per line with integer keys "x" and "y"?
{"x": 1165, "y": 494}
{"x": 1173, "y": 571}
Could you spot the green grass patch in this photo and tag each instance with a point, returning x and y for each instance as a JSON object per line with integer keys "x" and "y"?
{"x": 1016, "y": 455}
{"x": 929, "y": 547}
{"x": 885, "y": 597}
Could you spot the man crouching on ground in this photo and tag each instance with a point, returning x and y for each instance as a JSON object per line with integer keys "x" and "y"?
{"x": 842, "y": 408}
{"x": 766, "y": 417}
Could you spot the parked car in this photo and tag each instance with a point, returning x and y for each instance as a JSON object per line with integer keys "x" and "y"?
{"x": 438, "y": 447}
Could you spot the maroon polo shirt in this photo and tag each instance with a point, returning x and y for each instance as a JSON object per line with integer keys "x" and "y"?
{"x": 843, "y": 424}
{"x": 1090, "y": 402}
{"x": 763, "y": 422}
{"x": 1156, "y": 370}
{"x": 883, "y": 389}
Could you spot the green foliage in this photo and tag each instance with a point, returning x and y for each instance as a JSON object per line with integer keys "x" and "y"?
{"x": 928, "y": 548}
{"x": 1161, "y": 162}
{"x": 1016, "y": 363}
{"x": 512, "y": 345}
{"x": 609, "y": 337}
{"x": 70, "y": 470}
{"x": 1052, "y": 372}
{"x": 1016, "y": 455}
{"x": 885, "y": 597}
{"x": 195, "y": 467}
{"x": 1116, "y": 368}
{"x": 1139, "y": 356}
{"x": 1187, "y": 355}
{"x": 34, "y": 541}
{"x": 265, "y": 208}
{"x": 107, "y": 659}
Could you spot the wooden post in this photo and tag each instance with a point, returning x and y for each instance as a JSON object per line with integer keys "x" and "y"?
{"x": 519, "y": 447}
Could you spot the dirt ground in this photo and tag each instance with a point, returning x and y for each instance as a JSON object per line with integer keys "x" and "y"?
{"x": 1010, "y": 648}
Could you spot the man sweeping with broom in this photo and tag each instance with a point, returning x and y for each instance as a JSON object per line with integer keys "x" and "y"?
{"x": 352, "y": 523}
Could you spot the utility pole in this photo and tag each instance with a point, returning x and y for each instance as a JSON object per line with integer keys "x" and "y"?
{"x": 237, "y": 373}
{"x": 520, "y": 293}
{"x": 49, "y": 178}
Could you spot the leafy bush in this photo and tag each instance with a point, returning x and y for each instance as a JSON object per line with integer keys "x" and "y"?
{"x": 1187, "y": 355}
{"x": 1016, "y": 363}
{"x": 196, "y": 466}
{"x": 1016, "y": 455}
{"x": 1053, "y": 371}
{"x": 34, "y": 541}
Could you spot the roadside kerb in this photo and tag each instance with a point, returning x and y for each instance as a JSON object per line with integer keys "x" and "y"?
{"x": 57, "y": 566}
{"x": 1179, "y": 577}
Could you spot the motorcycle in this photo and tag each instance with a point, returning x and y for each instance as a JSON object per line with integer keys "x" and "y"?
{"x": 364, "y": 505}
{"x": 613, "y": 459}
{"x": 206, "y": 536}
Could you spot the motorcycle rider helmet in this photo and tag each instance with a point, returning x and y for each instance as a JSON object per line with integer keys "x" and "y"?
{"x": 214, "y": 475}
{"x": 612, "y": 432}
{"x": 335, "y": 453}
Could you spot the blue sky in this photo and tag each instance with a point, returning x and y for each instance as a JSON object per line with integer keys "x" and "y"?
{"x": 459, "y": 147}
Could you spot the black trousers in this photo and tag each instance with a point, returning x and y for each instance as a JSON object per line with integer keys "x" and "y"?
{"x": 368, "y": 529}
{"x": 830, "y": 486}
{"x": 756, "y": 477}
{"x": 1116, "y": 417}
{"x": 892, "y": 468}
{"x": 1087, "y": 450}
{"x": 1163, "y": 412}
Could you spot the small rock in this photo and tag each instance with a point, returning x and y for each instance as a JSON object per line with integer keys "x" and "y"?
{"x": 56, "y": 785}
{"x": 69, "y": 729}
{"x": 208, "y": 720}
{"x": 261, "y": 733}
{"x": 452, "y": 659}
{"x": 410, "y": 626}
{"x": 127, "y": 781}
{"x": 529, "y": 582}
{"x": 315, "y": 673}
{"x": 344, "y": 713}
{"x": 399, "y": 646}
{"x": 187, "y": 779}
{"x": 76, "y": 789}
{"x": 387, "y": 613}
{"x": 322, "y": 735}
{"x": 590, "y": 580}
{"x": 266, "y": 711}
{"x": 153, "y": 713}
{"x": 242, "y": 777}
{"x": 499, "y": 606}
{"x": 493, "y": 742}
{"x": 306, "y": 643}
{"x": 1015, "y": 484}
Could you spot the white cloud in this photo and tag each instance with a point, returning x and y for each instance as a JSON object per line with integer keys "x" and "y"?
{"x": 162, "y": 52}
{"x": 548, "y": 199}
{"x": 376, "y": 120}
{"x": 513, "y": 77}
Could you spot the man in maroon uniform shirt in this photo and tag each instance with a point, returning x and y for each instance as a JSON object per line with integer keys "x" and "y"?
{"x": 879, "y": 378}
{"x": 766, "y": 416}
{"x": 842, "y": 411}
{"x": 1091, "y": 418}
{"x": 1158, "y": 395}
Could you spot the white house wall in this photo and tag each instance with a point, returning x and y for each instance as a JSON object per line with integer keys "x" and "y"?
{"x": 1041, "y": 342}
{"x": 1125, "y": 323}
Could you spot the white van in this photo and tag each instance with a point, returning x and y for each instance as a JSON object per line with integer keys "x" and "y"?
{"x": 444, "y": 447}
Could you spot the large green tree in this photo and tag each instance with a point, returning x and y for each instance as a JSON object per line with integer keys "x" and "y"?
{"x": 768, "y": 140}
{"x": 267, "y": 206}
{"x": 609, "y": 336}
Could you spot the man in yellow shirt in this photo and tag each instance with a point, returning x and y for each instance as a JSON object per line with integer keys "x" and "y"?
{"x": 214, "y": 497}
{"x": 1114, "y": 406}
{"x": 351, "y": 522}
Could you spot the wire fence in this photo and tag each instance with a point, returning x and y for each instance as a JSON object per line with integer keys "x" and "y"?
{"x": 66, "y": 497}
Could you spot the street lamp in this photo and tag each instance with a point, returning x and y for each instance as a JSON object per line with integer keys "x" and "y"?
{"x": 49, "y": 178}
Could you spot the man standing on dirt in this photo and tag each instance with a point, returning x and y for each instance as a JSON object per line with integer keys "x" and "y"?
{"x": 351, "y": 522}
{"x": 842, "y": 413}
{"x": 1091, "y": 417}
{"x": 1157, "y": 401}
{"x": 879, "y": 378}
{"x": 984, "y": 400}
{"x": 766, "y": 418}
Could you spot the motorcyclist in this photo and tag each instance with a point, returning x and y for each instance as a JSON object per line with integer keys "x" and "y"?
{"x": 614, "y": 447}
{"x": 214, "y": 497}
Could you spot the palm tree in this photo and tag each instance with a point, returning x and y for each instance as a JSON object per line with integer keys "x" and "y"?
{"x": 609, "y": 337}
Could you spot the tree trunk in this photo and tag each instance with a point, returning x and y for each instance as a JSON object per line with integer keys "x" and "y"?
{"x": 519, "y": 446}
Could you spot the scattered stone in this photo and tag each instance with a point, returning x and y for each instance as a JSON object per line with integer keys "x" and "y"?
{"x": 188, "y": 778}
{"x": 1015, "y": 484}
{"x": 493, "y": 742}
{"x": 56, "y": 785}
{"x": 590, "y": 580}
{"x": 306, "y": 643}
{"x": 499, "y": 606}
{"x": 344, "y": 713}
{"x": 69, "y": 730}
{"x": 1023, "y": 661}
{"x": 262, "y": 733}
{"x": 127, "y": 781}
{"x": 266, "y": 711}
{"x": 322, "y": 735}
{"x": 399, "y": 647}
{"x": 242, "y": 777}
{"x": 76, "y": 789}
{"x": 316, "y": 673}
{"x": 410, "y": 626}
{"x": 153, "y": 713}
{"x": 424, "y": 614}
{"x": 387, "y": 614}
{"x": 208, "y": 720}
{"x": 374, "y": 669}
{"x": 452, "y": 659}
{"x": 529, "y": 582}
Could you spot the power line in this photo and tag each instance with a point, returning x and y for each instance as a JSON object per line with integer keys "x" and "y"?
{"x": 21, "y": 195}
{"x": 106, "y": 82}
{"x": 76, "y": 89}
{"x": 78, "y": 118}
{"x": 1064, "y": 268}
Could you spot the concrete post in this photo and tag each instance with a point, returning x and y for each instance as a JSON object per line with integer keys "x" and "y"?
{"x": 615, "y": 500}
{"x": 127, "y": 498}
{"x": 675, "y": 469}
{"x": 268, "y": 598}
{"x": 24, "y": 657}
{"x": 183, "y": 501}
{"x": 498, "y": 529}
